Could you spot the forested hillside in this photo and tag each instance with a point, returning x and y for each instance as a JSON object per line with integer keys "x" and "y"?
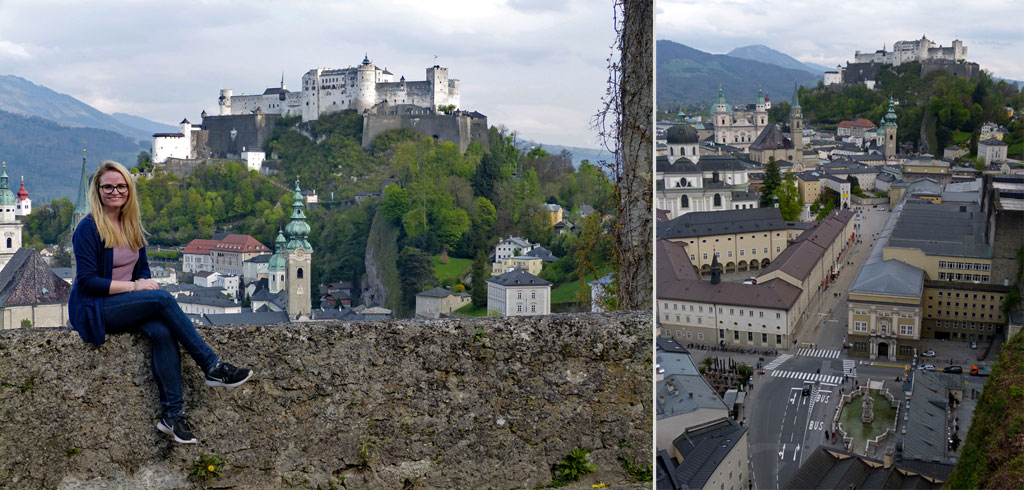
{"x": 441, "y": 201}
{"x": 934, "y": 112}
{"x": 50, "y": 155}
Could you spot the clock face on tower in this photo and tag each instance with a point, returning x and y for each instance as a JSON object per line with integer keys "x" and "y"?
{"x": 299, "y": 252}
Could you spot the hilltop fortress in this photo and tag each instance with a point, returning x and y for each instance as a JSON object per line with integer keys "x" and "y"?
{"x": 245, "y": 122}
{"x": 361, "y": 88}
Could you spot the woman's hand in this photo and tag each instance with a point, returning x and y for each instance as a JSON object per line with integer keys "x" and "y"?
{"x": 146, "y": 284}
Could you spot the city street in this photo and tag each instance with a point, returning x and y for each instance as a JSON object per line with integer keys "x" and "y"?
{"x": 785, "y": 425}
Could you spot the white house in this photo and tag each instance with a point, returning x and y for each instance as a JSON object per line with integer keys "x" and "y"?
{"x": 507, "y": 248}
{"x": 518, "y": 293}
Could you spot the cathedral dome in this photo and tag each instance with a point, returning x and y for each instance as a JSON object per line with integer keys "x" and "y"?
{"x": 682, "y": 134}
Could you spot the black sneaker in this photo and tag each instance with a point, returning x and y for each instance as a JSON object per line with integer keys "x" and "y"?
{"x": 178, "y": 428}
{"x": 227, "y": 375}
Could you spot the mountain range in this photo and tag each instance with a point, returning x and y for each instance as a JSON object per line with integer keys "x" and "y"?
{"x": 690, "y": 78}
{"x": 20, "y": 96}
{"x": 43, "y": 132}
{"x": 764, "y": 54}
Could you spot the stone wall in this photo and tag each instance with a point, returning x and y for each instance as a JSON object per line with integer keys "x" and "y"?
{"x": 460, "y": 129}
{"x": 252, "y": 131}
{"x": 484, "y": 403}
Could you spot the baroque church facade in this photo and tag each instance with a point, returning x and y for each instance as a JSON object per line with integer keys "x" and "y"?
{"x": 739, "y": 126}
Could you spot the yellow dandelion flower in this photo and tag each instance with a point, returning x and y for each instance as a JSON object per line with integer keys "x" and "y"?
{"x": 598, "y": 485}
{"x": 211, "y": 468}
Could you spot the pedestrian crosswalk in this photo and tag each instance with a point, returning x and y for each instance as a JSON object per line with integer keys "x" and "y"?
{"x": 850, "y": 368}
{"x": 824, "y": 378}
{"x": 777, "y": 362}
{"x": 826, "y": 353}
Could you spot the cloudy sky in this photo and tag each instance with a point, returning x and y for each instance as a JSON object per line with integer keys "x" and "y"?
{"x": 828, "y": 33}
{"x": 536, "y": 66}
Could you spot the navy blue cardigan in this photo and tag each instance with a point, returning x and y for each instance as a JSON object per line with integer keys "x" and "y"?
{"x": 95, "y": 265}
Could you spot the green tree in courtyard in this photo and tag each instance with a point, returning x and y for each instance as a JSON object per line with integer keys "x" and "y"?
{"x": 772, "y": 179}
{"x": 789, "y": 199}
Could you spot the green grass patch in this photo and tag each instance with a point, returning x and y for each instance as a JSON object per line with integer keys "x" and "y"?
{"x": 1016, "y": 149}
{"x": 566, "y": 292}
{"x": 470, "y": 311}
{"x": 960, "y": 137}
{"x": 452, "y": 269}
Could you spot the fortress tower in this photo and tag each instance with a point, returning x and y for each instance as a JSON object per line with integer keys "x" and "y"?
{"x": 298, "y": 258}
{"x": 366, "y": 86}
{"x": 224, "y": 101}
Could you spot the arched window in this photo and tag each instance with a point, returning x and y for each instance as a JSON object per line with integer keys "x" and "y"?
{"x": 298, "y": 273}
{"x": 718, "y": 200}
{"x": 8, "y": 243}
{"x": 684, "y": 202}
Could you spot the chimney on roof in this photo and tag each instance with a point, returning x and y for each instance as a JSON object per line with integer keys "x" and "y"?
{"x": 716, "y": 270}
{"x": 691, "y": 394}
{"x": 887, "y": 459}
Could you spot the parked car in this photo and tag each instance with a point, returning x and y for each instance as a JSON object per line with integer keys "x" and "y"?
{"x": 807, "y": 388}
{"x": 927, "y": 367}
{"x": 953, "y": 369}
{"x": 928, "y": 353}
{"x": 974, "y": 345}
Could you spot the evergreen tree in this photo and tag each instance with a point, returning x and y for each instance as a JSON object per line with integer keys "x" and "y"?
{"x": 417, "y": 271}
{"x": 772, "y": 179}
{"x": 480, "y": 276}
{"x": 789, "y": 199}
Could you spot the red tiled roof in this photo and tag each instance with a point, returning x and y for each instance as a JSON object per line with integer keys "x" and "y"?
{"x": 230, "y": 243}
{"x": 859, "y": 123}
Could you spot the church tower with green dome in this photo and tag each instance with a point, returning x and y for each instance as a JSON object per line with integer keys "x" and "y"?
{"x": 888, "y": 126}
{"x": 276, "y": 267}
{"x": 298, "y": 257}
{"x": 10, "y": 228}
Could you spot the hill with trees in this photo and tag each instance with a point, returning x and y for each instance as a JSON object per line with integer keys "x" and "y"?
{"x": 935, "y": 111}
{"x": 50, "y": 154}
{"x": 434, "y": 201}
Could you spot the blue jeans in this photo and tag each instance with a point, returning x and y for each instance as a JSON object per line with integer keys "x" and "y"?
{"x": 156, "y": 314}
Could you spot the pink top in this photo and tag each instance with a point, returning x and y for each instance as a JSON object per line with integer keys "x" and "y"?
{"x": 124, "y": 263}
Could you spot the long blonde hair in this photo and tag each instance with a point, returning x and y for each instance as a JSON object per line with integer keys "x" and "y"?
{"x": 131, "y": 233}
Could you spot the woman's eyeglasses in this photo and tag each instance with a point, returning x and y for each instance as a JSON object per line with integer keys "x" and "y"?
{"x": 109, "y": 189}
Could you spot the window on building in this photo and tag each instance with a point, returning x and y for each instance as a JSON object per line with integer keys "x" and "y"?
{"x": 778, "y": 249}
{"x": 721, "y": 333}
{"x": 764, "y": 338}
{"x": 750, "y": 336}
{"x": 905, "y": 350}
{"x": 778, "y": 339}
{"x": 736, "y": 335}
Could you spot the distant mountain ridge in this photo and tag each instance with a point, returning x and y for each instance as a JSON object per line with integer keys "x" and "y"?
{"x": 21, "y": 96}
{"x": 764, "y": 54}
{"x": 690, "y": 77}
{"x": 593, "y": 155}
{"x": 49, "y": 154}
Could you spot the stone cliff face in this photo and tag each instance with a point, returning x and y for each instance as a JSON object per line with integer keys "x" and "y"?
{"x": 488, "y": 403}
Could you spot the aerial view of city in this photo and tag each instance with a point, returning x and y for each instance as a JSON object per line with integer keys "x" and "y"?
{"x": 839, "y": 245}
